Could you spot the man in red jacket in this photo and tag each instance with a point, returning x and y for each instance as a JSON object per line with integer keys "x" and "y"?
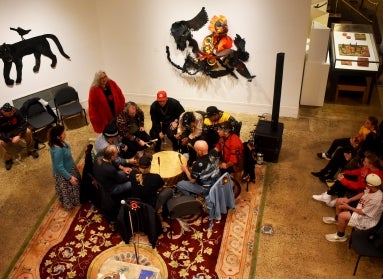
{"x": 230, "y": 148}
{"x": 105, "y": 101}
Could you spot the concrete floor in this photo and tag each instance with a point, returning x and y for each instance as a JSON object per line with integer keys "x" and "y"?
{"x": 297, "y": 249}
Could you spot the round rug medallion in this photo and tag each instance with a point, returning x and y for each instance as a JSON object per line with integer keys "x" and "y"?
{"x": 120, "y": 262}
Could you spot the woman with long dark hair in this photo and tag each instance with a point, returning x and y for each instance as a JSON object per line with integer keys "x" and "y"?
{"x": 66, "y": 174}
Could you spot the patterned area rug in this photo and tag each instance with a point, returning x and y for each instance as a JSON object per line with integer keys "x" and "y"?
{"x": 67, "y": 243}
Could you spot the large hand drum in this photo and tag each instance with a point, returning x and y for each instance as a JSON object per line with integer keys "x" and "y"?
{"x": 168, "y": 165}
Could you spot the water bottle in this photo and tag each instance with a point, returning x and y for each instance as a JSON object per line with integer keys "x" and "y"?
{"x": 259, "y": 158}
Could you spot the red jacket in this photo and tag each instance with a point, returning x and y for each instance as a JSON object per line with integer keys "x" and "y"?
{"x": 360, "y": 184}
{"x": 99, "y": 112}
{"x": 231, "y": 149}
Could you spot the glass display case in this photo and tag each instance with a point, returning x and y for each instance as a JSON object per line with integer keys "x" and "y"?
{"x": 353, "y": 48}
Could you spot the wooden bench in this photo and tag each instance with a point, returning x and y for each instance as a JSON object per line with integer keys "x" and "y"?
{"x": 352, "y": 84}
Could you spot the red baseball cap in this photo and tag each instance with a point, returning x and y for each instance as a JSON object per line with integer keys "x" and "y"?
{"x": 162, "y": 96}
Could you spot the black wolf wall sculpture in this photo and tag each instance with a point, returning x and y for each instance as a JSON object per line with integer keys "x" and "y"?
{"x": 14, "y": 53}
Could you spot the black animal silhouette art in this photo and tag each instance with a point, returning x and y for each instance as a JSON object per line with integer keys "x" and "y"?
{"x": 14, "y": 53}
{"x": 21, "y": 31}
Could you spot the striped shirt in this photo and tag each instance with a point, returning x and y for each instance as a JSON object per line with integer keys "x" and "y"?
{"x": 372, "y": 207}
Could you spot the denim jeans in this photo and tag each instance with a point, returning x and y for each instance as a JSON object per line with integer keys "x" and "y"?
{"x": 187, "y": 188}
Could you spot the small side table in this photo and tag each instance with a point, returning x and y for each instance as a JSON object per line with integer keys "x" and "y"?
{"x": 352, "y": 84}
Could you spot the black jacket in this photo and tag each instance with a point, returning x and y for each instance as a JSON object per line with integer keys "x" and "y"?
{"x": 144, "y": 219}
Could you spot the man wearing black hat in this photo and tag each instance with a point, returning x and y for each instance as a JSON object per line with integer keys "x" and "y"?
{"x": 108, "y": 137}
{"x": 213, "y": 118}
{"x": 13, "y": 128}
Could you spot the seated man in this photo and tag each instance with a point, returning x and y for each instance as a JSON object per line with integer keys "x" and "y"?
{"x": 149, "y": 187}
{"x": 115, "y": 181}
{"x": 130, "y": 124}
{"x": 203, "y": 173}
{"x": 108, "y": 137}
{"x": 165, "y": 112}
{"x": 364, "y": 216}
{"x": 213, "y": 118}
{"x": 13, "y": 128}
{"x": 230, "y": 147}
{"x": 189, "y": 130}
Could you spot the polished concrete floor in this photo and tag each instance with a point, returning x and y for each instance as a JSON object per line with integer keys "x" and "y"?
{"x": 297, "y": 249}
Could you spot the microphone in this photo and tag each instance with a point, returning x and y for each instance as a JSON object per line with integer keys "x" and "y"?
{"x": 123, "y": 202}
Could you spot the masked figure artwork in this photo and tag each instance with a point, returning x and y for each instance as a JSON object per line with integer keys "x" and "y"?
{"x": 215, "y": 58}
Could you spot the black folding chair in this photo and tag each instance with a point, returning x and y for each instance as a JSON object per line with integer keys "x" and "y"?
{"x": 68, "y": 104}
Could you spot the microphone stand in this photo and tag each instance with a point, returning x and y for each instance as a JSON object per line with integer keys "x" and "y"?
{"x": 123, "y": 202}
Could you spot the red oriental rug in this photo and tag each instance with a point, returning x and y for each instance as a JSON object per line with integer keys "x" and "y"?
{"x": 66, "y": 244}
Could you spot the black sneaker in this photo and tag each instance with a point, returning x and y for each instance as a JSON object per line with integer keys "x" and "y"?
{"x": 34, "y": 154}
{"x": 8, "y": 164}
{"x": 317, "y": 174}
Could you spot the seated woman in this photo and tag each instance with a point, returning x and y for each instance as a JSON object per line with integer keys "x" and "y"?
{"x": 352, "y": 182}
{"x": 338, "y": 162}
{"x": 149, "y": 187}
{"x": 370, "y": 125}
{"x": 188, "y": 132}
{"x": 350, "y": 157}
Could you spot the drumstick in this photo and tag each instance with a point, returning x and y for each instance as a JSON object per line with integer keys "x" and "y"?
{"x": 179, "y": 157}
{"x": 151, "y": 141}
{"x": 159, "y": 164}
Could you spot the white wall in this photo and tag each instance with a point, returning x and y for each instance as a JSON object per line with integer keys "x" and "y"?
{"x": 128, "y": 40}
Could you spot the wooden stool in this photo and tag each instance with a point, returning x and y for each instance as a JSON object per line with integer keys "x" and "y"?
{"x": 353, "y": 84}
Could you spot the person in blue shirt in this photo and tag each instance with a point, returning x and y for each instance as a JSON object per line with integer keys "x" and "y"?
{"x": 66, "y": 174}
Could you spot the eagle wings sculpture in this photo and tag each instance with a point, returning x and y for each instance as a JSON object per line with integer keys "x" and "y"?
{"x": 216, "y": 58}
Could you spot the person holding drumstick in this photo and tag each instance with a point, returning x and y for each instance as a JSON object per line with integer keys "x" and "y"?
{"x": 165, "y": 113}
{"x": 203, "y": 173}
{"x": 149, "y": 187}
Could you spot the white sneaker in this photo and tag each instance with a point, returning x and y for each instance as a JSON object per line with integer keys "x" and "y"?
{"x": 324, "y": 197}
{"x": 333, "y": 237}
{"x": 329, "y": 220}
{"x": 331, "y": 203}
{"x": 324, "y": 155}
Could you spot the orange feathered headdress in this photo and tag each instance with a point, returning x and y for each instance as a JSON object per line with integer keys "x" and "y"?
{"x": 218, "y": 24}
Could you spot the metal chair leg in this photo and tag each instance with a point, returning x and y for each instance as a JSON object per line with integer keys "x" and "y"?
{"x": 356, "y": 265}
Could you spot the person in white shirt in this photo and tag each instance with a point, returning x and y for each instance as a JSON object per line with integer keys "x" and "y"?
{"x": 364, "y": 216}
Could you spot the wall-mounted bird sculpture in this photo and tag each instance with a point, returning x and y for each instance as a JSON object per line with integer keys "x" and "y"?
{"x": 21, "y": 31}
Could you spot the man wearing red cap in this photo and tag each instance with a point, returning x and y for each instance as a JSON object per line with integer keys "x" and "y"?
{"x": 165, "y": 112}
